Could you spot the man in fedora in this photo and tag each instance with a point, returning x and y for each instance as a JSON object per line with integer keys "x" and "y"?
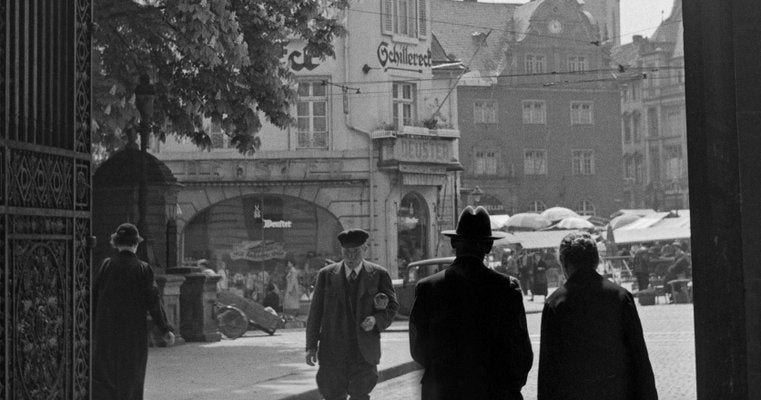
{"x": 353, "y": 302}
{"x": 123, "y": 293}
{"x": 468, "y": 325}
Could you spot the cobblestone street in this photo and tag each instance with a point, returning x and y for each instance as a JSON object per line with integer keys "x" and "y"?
{"x": 669, "y": 333}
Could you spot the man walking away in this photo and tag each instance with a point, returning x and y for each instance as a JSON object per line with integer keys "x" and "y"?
{"x": 353, "y": 302}
{"x": 592, "y": 347}
{"x": 468, "y": 325}
{"x": 641, "y": 266}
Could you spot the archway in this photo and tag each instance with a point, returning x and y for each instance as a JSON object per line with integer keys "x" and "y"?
{"x": 413, "y": 218}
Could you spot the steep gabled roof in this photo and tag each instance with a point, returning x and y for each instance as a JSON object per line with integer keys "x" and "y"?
{"x": 668, "y": 30}
{"x": 461, "y": 26}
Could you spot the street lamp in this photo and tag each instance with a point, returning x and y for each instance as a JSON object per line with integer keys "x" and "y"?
{"x": 476, "y": 195}
{"x": 145, "y": 94}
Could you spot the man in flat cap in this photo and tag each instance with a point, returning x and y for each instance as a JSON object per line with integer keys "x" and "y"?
{"x": 468, "y": 325}
{"x": 353, "y": 302}
{"x": 123, "y": 293}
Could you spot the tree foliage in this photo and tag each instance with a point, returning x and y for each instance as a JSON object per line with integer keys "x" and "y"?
{"x": 218, "y": 59}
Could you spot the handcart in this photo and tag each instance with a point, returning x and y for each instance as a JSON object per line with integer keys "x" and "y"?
{"x": 237, "y": 314}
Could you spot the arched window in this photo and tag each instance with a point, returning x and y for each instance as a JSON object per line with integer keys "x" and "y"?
{"x": 537, "y": 206}
{"x": 585, "y": 208}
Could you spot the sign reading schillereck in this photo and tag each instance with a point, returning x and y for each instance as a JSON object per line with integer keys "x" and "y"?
{"x": 402, "y": 58}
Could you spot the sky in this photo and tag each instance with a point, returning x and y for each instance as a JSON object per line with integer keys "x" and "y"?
{"x": 638, "y": 17}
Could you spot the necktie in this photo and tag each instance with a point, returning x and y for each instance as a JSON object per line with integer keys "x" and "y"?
{"x": 353, "y": 275}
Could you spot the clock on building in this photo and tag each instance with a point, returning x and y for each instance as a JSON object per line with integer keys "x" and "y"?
{"x": 555, "y": 26}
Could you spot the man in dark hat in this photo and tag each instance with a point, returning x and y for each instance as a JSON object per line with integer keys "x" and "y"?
{"x": 353, "y": 302}
{"x": 123, "y": 292}
{"x": 468, "y": 325}
{"x": 592, "y": 346}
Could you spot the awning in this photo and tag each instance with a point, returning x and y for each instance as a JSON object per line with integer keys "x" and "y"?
{"x": 535, "y": 240}
{"x": 650, "y": 234}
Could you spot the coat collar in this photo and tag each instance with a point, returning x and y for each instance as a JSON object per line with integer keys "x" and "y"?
{"x": 338, "y": 267}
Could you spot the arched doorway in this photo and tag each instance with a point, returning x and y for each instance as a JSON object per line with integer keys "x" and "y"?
{"x": 412, "y": 229}
{"x": 262, "y": 233}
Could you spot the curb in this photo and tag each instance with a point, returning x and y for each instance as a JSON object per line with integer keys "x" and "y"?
{"x": 383, "y": 375}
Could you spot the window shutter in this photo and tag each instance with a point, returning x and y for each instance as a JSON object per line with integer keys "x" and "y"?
{"x": 387, "y": 17}
{"x": 422, "y": 14}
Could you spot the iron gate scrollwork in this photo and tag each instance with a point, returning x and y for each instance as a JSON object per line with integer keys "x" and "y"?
{"x": 45, "y": 198}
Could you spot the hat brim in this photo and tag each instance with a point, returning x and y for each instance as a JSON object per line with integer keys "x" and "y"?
{"x": 494, "y": 236}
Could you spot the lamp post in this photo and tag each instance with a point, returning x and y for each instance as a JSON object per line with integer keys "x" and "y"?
{"x": 144, "y": 97}
{"x": 476, "y": 195}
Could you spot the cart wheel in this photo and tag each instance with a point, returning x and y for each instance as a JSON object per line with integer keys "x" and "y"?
{"x": 233, "y": 323}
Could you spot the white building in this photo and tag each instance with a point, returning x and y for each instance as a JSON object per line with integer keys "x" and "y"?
{"x": 358, "y": 157}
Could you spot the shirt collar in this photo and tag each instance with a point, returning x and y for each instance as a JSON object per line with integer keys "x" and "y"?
{"x": 348, "y": 270}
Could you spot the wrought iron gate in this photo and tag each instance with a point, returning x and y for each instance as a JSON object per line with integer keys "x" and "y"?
{"x": 45, "y": 199}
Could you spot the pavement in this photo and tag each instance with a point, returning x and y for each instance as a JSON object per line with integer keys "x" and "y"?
{"x": 262, "y": 367}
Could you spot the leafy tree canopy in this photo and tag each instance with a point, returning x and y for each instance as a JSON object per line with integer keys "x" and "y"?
{"x": 218, "y": 59}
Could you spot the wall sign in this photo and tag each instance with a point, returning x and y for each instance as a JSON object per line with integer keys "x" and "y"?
{"x": 268, "y": 223}
{"x": 306, "y": 61}
{"x": 402, "y": 58}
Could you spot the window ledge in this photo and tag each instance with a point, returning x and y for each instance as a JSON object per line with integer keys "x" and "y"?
{"x": 397, "y": 38}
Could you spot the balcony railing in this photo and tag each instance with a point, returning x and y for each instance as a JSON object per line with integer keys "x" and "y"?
{"x": 416, "y": 131}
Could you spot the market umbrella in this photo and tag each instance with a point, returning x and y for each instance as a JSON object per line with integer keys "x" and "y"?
{"x": 623, "y": 220}
{"x": 529, "y": 221}
{"x": 575, "y": 223}
{"x": 498, "y": 221}
{"x": 554, "y": 214}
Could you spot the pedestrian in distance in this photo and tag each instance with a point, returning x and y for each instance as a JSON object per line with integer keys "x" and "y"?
{"x": 124, "y": 292}
{"x": 468, "y": 325}
{"x": 641, "y": 266}
{"x": 352, "y": 303}
{"x": 539, "y": 281}
{"x": 592, "y": 346}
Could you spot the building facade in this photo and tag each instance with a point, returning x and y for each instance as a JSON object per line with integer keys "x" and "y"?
{"x": 540, "y": 118}
{"x": 654, "y": 133}
{"x": 374, "y": 146}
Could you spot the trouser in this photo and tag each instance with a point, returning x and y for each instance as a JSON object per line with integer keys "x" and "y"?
{"x": 525, "y": 283}
{"x": 643, "y": 280}
{"x": 355, "y": 377}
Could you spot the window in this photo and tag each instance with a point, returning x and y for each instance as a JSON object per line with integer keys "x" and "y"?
{"x": 536, "y": 206}
{"x": 629, "y": 167}
{"x": 534, "y": 112}
{"x": 404, "y": 18}
{"x": 486, "y": 163}
{"x": 585, "y": 208}
{"x": 635, "y": 91}
{"x": 636, "y": 135}
{"x": 652, "y": 122}
{"x": 217, "y": 136}
{"x": 577, "y": 64}
{"x": 674, "y": 122}
{"x": 638, "y": 169}
{"x": 581, "y": 113}
{"x": 627, "y": 128}
{"x": 485, "y": 112}
{"x": 403, "y": 95}
{"x": 583, "y": 162}
{"x": 534, "y": 64}
{"x": 535, "y": 162}
{"x": 673, "y": 156}
{"x": 312, "y": 115}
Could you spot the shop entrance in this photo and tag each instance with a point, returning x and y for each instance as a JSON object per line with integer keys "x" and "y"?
{"x": 412, "y": 233}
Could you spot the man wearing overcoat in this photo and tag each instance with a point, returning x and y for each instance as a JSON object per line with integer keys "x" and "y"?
{"x": 353, "y": 302}
{"x": 468, "y": 324}
{"x": 592, "y": 346}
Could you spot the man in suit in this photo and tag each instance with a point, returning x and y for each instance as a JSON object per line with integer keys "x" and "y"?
{"x": 592, "y": 346}
{"x": 353, "y": 302}
{"x": 468, "y": 325}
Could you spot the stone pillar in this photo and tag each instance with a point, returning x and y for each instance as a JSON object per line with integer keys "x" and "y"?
{"x": 169, "y": 285}
{"x": 723, "y": 94}
{"x": 198, "y": 294}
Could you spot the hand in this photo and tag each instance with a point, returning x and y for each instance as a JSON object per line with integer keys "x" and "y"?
{"x": 368, "y": 324}
{"x": 311, "y": 357}
{"x": 169, "y": 338}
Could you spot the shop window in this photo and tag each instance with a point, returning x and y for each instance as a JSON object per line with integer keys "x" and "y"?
{"x": 577, "y": 64}
{"x": 486, "y": 163}
{"x": 412, "y": 229}
{"x": 404, "y": 18}
{"x": 535, "y": 162}
{"x": 583, "y": 162}
{"x": 485, "y": 112}
{"x": 534, "y": 64}
{"x": 534, "y": 112}
{"x": 581, "y": 112}
{"x": 536, "y": 206}
{"x": 312, "y": 115}
{"x": 403, "y": 95}
{"x": 586, "y": 208}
